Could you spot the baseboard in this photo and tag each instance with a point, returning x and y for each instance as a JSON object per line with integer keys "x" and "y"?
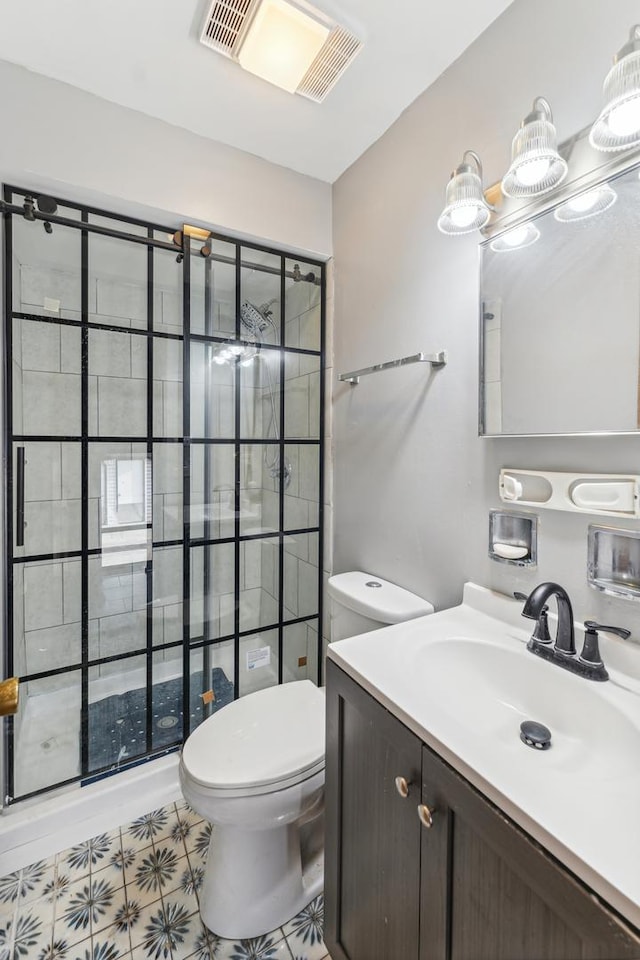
{"x": 37, "y": 829}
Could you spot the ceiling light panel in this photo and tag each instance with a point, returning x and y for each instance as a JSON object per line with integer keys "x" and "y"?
{"x": 291, "y": 44}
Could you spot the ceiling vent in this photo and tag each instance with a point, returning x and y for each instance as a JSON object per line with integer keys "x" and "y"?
{"x": 335, "y": 56}
{"x": 228, "y": 21}
{"x": 224, "y": 23}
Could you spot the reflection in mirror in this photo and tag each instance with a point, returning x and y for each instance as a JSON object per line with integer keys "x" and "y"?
{"x": 560, "y": 317}
{"x": 125, "y": 510}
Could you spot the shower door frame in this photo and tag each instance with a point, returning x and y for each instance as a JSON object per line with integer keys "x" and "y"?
{"x": 10, "y": 210}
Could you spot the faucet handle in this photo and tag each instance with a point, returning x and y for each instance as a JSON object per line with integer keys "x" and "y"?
{"x": 591, "y": 651}
{"x": 592, "y": 627}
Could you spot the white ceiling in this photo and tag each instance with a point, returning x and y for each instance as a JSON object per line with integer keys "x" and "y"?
{"x": 145, "y": 54}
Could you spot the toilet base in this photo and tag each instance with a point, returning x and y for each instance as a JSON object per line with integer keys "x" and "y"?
{"x": 257, "y": 880}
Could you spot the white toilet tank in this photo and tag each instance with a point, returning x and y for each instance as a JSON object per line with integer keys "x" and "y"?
{"x": 360, "y": 602}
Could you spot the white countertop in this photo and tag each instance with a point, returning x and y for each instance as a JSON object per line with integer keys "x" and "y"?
{"x": 580, "y": 802}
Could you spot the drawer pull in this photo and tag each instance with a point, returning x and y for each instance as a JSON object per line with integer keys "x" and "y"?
{"x": 426, "y": 815}
{"x": 402, "y": 786}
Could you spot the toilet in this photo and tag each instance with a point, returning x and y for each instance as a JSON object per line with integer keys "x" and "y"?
{"x": 255, "y": 771}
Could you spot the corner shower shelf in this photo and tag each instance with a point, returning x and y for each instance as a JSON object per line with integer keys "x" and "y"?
{"x": 435, "y": 359}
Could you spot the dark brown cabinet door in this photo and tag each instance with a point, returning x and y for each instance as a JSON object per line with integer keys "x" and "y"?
{"x": 489, "y": 892}
{"x": 372, "y": 865}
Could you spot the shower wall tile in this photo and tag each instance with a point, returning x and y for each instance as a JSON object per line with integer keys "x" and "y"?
{"x": 40, "y": 280}
{"x": 51, "y": 526}
{"x": 123, "y": 633}
{"x": 52, "y": 648}
{"x": 72, "y": 590}
{"x": 51, "y": 403}
{"x": 122, "y": 301}
{"x": 122, "y": 407}
{"x": 43, "y": 471}
{"x": 18, "y": 404}
{"x": 251, "y": 556}
{"x": 43, "y": 598}
{"x": 139, "y": 364}
{"x": 309, "y": 322}
{"x": 41, "y": 346}
{"x": 307, "y": 588}
{"x": 110, "y": 354}
{"x": 70, "y": 351}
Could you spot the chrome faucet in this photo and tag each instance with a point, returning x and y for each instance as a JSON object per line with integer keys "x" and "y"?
{"x": 563, "y": 652}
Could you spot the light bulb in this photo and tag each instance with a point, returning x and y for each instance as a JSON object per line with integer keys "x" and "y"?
{"x": 516, "y": 236}
{"x": 584, "y": 202}
{"x": 464, "y": 216}
{"x": 625, "y": 118}
{"x": 532, "y": 171}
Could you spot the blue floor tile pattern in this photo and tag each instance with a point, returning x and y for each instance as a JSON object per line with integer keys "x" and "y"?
{"x": 117, "y": 724}
{"x": 132, "y": 894}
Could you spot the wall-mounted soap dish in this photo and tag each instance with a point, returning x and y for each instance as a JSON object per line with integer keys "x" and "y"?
{"x": 513, "y": 538}
{"x": 605, "y": 494}
{"x": 613, "y": 564}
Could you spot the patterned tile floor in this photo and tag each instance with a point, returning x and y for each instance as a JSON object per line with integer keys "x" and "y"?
{"x": 132, "y": 894}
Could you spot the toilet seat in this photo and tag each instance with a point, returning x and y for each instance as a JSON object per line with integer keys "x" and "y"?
{"x": 267, "y": 741}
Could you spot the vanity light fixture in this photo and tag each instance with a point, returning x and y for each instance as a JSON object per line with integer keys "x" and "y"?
{"x": 618, "y": 126}
{"x": 536, "y": 165}
{"x": 466, "y": 208}
{"x": 585, "y": 205}
{"x": 516, "y": 238}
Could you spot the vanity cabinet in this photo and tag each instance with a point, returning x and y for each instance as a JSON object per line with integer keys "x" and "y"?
{"x": 470, "y": 886}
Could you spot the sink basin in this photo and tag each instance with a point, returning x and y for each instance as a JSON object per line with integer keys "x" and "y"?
{"x": 490, "y": 688}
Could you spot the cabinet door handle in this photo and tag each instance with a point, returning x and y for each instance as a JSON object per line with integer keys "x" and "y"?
{"x": 402, "y": 786}
{"x": 426, "y": 815}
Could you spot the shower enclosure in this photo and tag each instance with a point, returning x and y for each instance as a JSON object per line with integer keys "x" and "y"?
{"x": 164, "y": 426}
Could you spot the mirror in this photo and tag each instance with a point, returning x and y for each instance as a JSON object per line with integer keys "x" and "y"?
{"x": 560, "y": 317}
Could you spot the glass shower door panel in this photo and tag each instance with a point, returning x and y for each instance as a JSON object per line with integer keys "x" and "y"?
{"x": 46, "y": 382}
{"x": 47, "y": 615}
{"x": 47, "y": 733}
{"x": 259, "y": 583}
{"x": 260, "y": 294}
{"x": 300, "y": 651}
{"x": 213, "y": 290}
{"x": 302, "y": 396}
{"x": 47, "y": 498}
{"x": 117, "y": 282}
{"x": 167, "y": 698}
{"x": 213, "y": 509}
{"x": 301, "y": 495}
{"x": 211, "y": 680}
{"x": 258, "y": 661}
{"x": 117, "y": 384}
{"x": 46, "y": 274}
{"x": 212, "y": 394}
{"x": 301, "y": 575}
{"x": 213, "y": 600}
{"x": 260, "y": 396}
{"x": 117, "y": 716}
{"x": 302, "y": 305}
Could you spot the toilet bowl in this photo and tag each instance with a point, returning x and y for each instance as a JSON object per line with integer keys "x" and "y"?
{"x": 255, "y": 771}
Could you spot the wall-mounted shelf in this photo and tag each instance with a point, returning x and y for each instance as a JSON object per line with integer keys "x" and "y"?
{"x": 435, "y": 359}
{"x": 605, "y": 494}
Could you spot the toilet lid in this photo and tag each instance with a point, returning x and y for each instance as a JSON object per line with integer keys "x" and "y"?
{"x": 267, "y": 736}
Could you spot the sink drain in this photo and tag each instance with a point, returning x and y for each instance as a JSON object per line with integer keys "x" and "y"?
{"x": 535, "y": 735}
{"x": 166, "y": 722}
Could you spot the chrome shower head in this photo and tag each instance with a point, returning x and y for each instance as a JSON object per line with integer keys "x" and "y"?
{"x": 257, "y": 319}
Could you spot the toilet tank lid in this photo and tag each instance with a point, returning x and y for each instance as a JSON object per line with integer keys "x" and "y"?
{"x": 385, "y": 602}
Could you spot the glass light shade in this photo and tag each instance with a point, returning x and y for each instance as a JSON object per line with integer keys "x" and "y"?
{"x": 516, "y": 238}
{"x": 281, "y": 44}
{"x": 585, "y": 205}
{"x": 536, "y": 166}
{"x": 618, "y": 126}
{"x": 465, "y": 207}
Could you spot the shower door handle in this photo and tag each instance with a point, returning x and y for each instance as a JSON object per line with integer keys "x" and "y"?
{"x": 20, "y": 498}
{"x": 9, "y": 695}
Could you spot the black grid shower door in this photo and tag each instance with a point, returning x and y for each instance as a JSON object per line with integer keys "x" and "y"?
{"x": 164, "y": 403}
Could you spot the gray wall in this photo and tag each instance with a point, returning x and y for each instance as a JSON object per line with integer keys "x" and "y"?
{"x": 78, "y": 146}
{"x": 413, "y": 482}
